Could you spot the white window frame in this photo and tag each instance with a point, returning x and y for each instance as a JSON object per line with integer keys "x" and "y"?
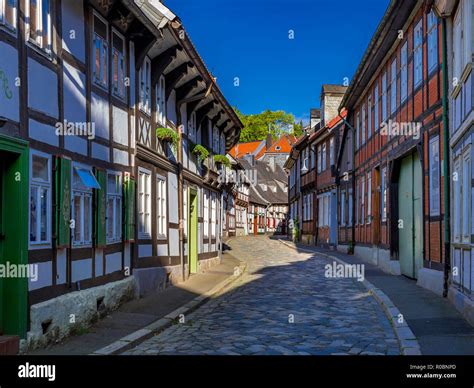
{"x": 357, "y": 134}
{"x": 45, "y": 186}
{"x": 117, "y": 199}
{"x": 369, "y": 116}
{"x": 434, "y": 168}
{"x": 393, "y": 86}
{"x": 213, "y": 215}
{"x": 376, "y": 108}
{"x": 432, "y": 26}
{"x": 3, "y": 21}
{"x": 83, "y": 194}
{"x": 119, "y": 90}
{"x": 384, "y": 97}
{"x": 362, "y": 200}
{"x": 404, "y": 73}
{"x": 160, "y": 94}
{"x": 362, "y": 126}
{"x": 343, "y": 208}
{"x": 324, "y": 157}
{"x": 457, "y": 203}
{"x": 144, "y": 79}
{"x": 144, "y": 203}
{"x": 103, "y": 46}
{"x": 350, "y": 205}
{"x": 319, "y": 158}
{"x": 383, "y": 194}
{"x": 369, "y": 197}
{"x": 161, "y": 207}
{"x": 418, "y": 54}
{"x": 206, "y": 213}
{"x": 466, "y": 196}
{"x": 38, "y": 42}
{"x": 331, "y": 151}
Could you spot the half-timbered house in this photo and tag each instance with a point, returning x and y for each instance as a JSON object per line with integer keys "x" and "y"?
{"x": 93, "y": 194}
{"x": 395, "y": 110}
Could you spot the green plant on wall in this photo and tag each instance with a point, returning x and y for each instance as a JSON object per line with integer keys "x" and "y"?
{"x": 168, "y": 135}
{"x": 200, "y": 151}
{"x": 296, "y": 230}
{"x": 222, "y": 159}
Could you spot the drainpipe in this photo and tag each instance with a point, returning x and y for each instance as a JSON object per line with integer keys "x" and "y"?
{"x": 446, "y": 155}
{"x": 180, "y": 173}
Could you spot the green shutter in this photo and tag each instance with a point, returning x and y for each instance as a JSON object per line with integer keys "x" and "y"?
{"x": 101, "y": 209}
{"x": 63, "y": 202}
{"x": 129, "y": 219}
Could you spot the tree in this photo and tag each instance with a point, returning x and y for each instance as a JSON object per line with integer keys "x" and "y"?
{"x": 257, "y": 126}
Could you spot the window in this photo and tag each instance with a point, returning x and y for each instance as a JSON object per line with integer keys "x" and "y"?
{"x": 383, "y": 202}
{"x": 384, "y": 97}
{"x": 114, "y": 207}
{"x": 393, "y": 87}
{"x": 305, "y": 158}
{"x": 82, "y": 205}
{"x": 118, "y": 65}
{"x": 418, "y": 54}
{"x": 343, "y": 208}
{"x": 357, "y": 134}
{"x": 145, "y": 82}
{"x": 457, "y": 178}
{"x": 362, "y": 200}
{"x": 363, "y": 124}
{"x": 331, "y": 151}
{"x": 8, "y": 10}
{"x": 185, "y": 211}
{"x": 192, "y": 126}
{"x": 313, "y": 158}
{"x": 161, "y": 206}
{"x": 462, "y": 39}
{"x": 213, "y": 215}
{"x": 215, "y": 140}
{"x": 432, "y": 41}
{"x": 100, "y": 47}
{"x": 319, "y": 159}
{"x": 404, "y": 73}
{"x": 206, "y": 214}
{"x": 369, "y": 117}
{"x": 434, "y": 177}
{"x": 222, "y": 144}
{"x": 466, "y": 196}
{"x": 369, "y": 197}
{"x": 376, "y": 108}
{"x": 327, "y": 199}
{"x": 323, "y": 156}
{"x": 161, "y": 102}
{"x": 144, "y": 203}
{"x": 39, "y": 23}
{"x": 40, "y": 199}
{"x": 349, "y": 208}
{"x": 357, "y": 199}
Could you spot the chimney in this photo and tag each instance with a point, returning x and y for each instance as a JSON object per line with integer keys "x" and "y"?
{"x": 269, "y": 141}
{"x": 250, "y": 158}
{"x": 315, "y": 117}
{"x": 272, "y": 163}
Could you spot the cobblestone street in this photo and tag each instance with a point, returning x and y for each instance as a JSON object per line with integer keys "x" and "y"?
{"x": 283, "y": 304}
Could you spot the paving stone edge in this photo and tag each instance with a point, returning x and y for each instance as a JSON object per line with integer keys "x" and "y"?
{"x": 409, "y": 345}
{"x": 137, "y": 337}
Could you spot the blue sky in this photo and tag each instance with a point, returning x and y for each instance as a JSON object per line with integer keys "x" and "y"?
{"x": 249, "y": 39}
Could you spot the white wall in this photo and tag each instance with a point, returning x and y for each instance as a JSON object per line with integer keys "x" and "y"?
{"x": 73, "y": 28}
{"x": 42, "y": 89}
{"x": 9, "y": 98}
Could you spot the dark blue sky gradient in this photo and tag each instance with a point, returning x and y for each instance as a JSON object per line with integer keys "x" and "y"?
{"x": 249, "y": 39}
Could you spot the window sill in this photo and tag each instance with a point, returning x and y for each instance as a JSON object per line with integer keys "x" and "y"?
{"x": 81, "y": 245}
{"x": 38, "y": 246}
{"x": 40, "y": 51}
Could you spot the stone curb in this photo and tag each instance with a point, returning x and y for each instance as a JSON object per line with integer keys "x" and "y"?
{"x": 137, "y": 337}
{"x": 409, "y": 345}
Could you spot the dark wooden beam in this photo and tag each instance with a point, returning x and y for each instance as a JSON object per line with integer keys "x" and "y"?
{"x": 184, "y": 90}
{"x": 203, "y": 111}
{"x": 121, "y": 16}
{"x": 144, "y": 41}
{"x": 162, "y": 61}
{"x": 176, "y": 75}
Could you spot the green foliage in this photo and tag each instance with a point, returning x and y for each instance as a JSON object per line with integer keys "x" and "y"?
{"x": 222, "y": 159}
{"x": 257, "y": 126}
{"x": 296, "y": 230}
{"x": 168, "y": 135}
{"x": 201, "y": 152}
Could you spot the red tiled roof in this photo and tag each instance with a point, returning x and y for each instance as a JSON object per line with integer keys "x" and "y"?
{"x": 244, "y": 148}
{"x": 285, "y": 142}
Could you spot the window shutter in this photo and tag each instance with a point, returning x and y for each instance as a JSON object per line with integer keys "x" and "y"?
{"x": 101, "y": 209}
{"x": 63, "y": 202}
{"x": 129, "y": 201}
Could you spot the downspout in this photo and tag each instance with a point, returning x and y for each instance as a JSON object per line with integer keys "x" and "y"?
{"x": 180, "y": 174}
{"x": 447, "y": 208}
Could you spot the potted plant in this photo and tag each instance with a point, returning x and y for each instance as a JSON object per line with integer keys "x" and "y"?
{"x": 350, "y": 248}
{"x": 200, "y": 151}
{"x": 296, "y": 231}
{"x": 222, "y": 159}
{"x": 168, "y": 135}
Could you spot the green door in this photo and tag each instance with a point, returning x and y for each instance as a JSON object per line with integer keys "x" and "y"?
{"x": 13, "y": 234}
{"x": 193, "y": 231}
{"x": 410, "y": 210}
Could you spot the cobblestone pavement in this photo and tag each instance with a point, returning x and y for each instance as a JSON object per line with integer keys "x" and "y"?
{"x": 282, "y": 305}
